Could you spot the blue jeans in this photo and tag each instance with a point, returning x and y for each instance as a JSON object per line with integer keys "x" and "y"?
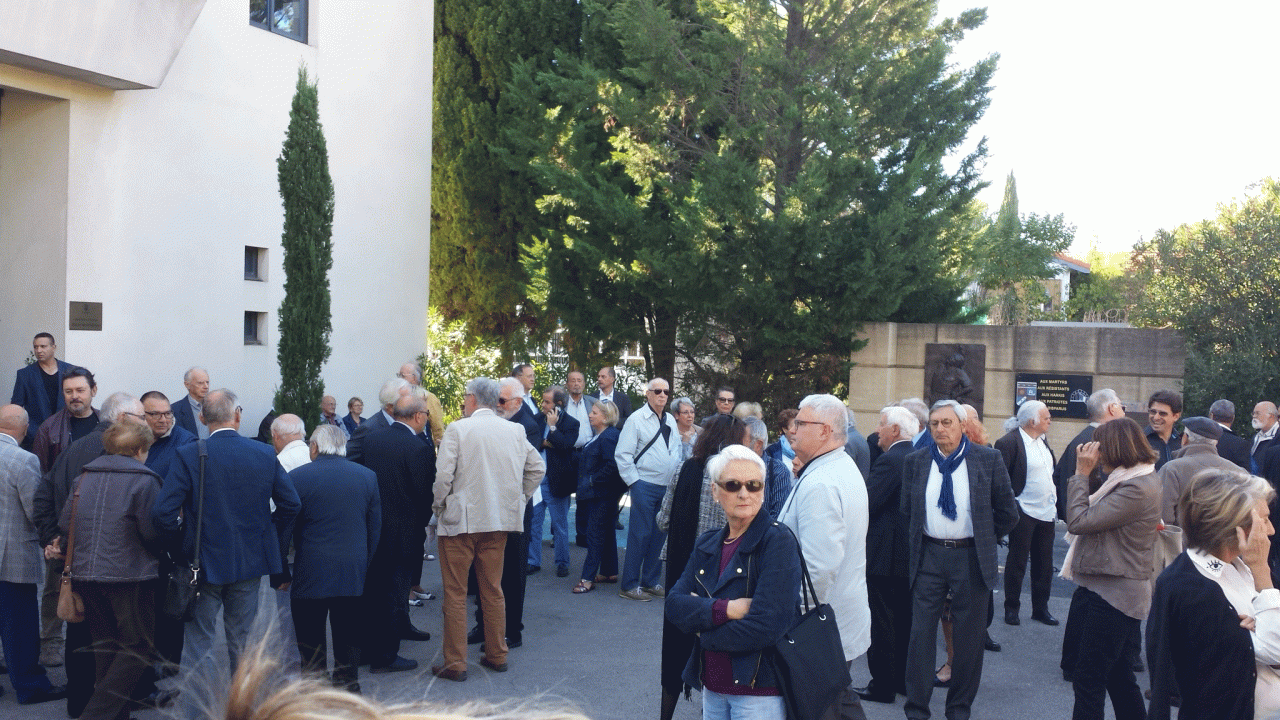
{"x": 742, "y": 707}
{"x": 643, "y": 563}
{"x": 239, "y": 605}
{"x": 559, "y": 508}
{"x": 20, "y": 632}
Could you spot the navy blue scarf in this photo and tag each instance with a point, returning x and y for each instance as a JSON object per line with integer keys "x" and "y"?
{"x": 946, "y": 466}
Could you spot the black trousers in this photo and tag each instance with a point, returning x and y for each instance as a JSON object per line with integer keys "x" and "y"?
{"x": 343, "y": 614}
{"x": 80, "y": 665}
{"x": 944, "y": 570}
{"x": 890, "y": 601}
{"x": 1034, "y": 538}
{"x": 120, "y": 619}
{"x": 1106, "y": 642}
{"x": 385, "y": 603}
{"x": 513, "y": 580}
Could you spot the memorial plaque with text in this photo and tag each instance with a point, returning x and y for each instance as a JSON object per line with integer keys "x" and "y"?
{"x": 85, "y": 316}
{"x": 1064, "y": 395}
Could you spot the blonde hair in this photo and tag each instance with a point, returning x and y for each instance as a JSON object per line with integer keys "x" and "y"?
{"x": 1215, "y": 503}
{"x": 261, "y": 690}
{"x": 743, "y": 410}
{"x": 609, "y": 411}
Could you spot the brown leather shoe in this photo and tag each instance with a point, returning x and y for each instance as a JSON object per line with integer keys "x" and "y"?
{"x": 449, "y": 674}
{"x": 496, "y": 667}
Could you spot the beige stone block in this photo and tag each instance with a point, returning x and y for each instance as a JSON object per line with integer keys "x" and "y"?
{"x": 870, "y": 387}
{"x": 881, "y": 347}
{"x": 911, "y": 339}
{"x": 1129, "y": 388}
{"x": 1066, "y": 351}
{"x": 1133, "y": 351}
{"x": 998, "y": 339}
{"x": 1148, "y": 385}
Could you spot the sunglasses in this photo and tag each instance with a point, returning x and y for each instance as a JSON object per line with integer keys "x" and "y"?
{"x": 660, "y": 391}
{"x": 734, "y": 486}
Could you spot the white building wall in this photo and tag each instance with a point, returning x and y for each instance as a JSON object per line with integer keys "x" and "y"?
{"x": 166, "y": 187}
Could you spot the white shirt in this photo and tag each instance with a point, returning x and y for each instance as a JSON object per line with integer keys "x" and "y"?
{"x": 528, "y": 400}
{"x": 1039, "y": 498}
{"x": 1236, "y": 582}
{"x": 936, "y": 525}
{"x": 202, "y": 430}
{"x": 578, "y": 410}
{"x": 293, "y": 455}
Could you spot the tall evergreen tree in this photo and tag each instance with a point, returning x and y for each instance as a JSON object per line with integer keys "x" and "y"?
{"x": 747, "y": 181}
{"x": 483, "y": 212}
{"x": 307, "y": 192}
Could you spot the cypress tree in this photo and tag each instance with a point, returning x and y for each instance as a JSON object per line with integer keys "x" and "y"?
{"x": 307, "y": 192}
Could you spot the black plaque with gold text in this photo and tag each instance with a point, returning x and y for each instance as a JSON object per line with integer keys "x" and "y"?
{"x": 1064, "y": 395}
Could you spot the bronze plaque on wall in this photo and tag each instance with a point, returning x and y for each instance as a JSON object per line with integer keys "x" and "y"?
{"x": 955, "y": 371}
{"x": 85, "y": 316}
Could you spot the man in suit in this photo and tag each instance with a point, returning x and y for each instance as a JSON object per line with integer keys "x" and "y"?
{"x": 38, "y": 386}
{"x": 169, "y": 435}
{"x": 724, "y": 404}
{"x": 241, "y": 539}
{"x": 335, "y": 537}
{"x": 392, "y": 390}
{"x": 525, "y": 373}
{"x": 186, "y": 412}
{"x": 958, "y": 498}
{"x": 1030, "y": 462}
{"x": 1230, "y": 446}
{"x": 411, "y": 372}
{"x": 514, "y": 408}
{"x": 484, "y": 478}
{"x": 404, "y": 463}
{"x": 77, "y": 418}
{"x": 1264, "y": 421}
{"x": 560, "y": 481}
{"x": 888, "y": 593}
{"x": 1102, "y": 406}
{"x": 287, "y": 432}
{"x": 21, "y": 565}
{"x": 579, "y": 406}
{"x": 605, "y": 380}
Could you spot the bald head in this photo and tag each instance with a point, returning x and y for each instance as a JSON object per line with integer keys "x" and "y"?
{"x": 285, "y": 429}
{"x": 13, "y": 421}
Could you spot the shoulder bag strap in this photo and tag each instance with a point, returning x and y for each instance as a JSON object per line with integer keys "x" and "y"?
{"x": 806, "y": 584}
{"x": 70, "y": 550}
{"x": 661, "y": 424}
{"x": 195, "y": 561}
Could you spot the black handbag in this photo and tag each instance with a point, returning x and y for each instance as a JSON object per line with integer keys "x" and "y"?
{"x": 184, "y": 580}
{"x": 812, "y": 670}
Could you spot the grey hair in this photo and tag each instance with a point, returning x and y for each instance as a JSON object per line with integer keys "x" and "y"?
{"x": 759, "y": 432}
{"x": 390, "y": 391}
{"x": 116, "y": 405}
{"x": 649, "y": 385}
{"x": 831, "y": 409}
{"x": 186, "y": 376}
{"x": 1223, "y": 411}
{"x": 848, "y": 416}
{"x": 961, "y": 414}
{"x": 219, "y": 407}
{"x": 408, "y": 406}
{"x": 916, "y": 407}
{"x": 329, "y": 440}
{"x": 1196, "y": 439}
{"x": 1030, "y": 412}
{"x": 721, "y": 460}
{"x": 514, "y": 384}
{"x": 675, "y": 406}
{"x": 1010, "y": 424}
{"x": 1096, "y": 405}
{"x": 288, "y": 424}
{"x": 485, "y": 391}
{"x": 417, "y": 371}
{"x": 903, "y": 419}
{"x": 559, "y": 395}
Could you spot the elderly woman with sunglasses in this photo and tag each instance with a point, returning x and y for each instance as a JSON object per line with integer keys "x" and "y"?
{"x": 739, "y": 595}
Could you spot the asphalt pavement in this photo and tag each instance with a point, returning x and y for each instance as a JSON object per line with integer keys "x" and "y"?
{"x": 600, "y": 653}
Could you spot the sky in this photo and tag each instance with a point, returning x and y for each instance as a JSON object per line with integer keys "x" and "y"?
{"x": 1126, "y": 116}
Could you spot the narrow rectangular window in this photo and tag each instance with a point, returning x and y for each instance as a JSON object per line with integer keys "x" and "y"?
{"x": 282, "y": 17}
{"x": 255, "y": 328}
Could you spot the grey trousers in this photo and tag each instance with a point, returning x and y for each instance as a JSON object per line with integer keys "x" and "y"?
{"x": 944, "y": 570}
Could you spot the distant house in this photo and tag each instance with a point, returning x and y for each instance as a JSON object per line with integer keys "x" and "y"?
{"x": 1059, "y": 286}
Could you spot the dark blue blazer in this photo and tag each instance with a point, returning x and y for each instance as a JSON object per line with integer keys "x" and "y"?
{"x": 1234, "y": 448}
{"x": 165, "y": 449}
{"x": 562, "y": 465}
{"x": 598, "y": 475}
{"x": 241, "y": 539}
{"x": 622, "y": 400}
{"x": 888, "y": 550}
{"x": 534, "y": 425}
{"x": 184, "y": 416}
{"x": 350, "y": 424}
{"x": 405, "y": 466}
{"x": 355, "y": 444}
{"x": 337, "y": 529}
{"x": 28, "y": 391}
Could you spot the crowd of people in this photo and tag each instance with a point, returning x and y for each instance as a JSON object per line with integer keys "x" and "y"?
{"x": 896, "y": 532}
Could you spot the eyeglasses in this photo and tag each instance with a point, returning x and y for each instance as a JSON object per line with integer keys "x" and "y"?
{"x": 802, "y": 423}
{"x": 134, "y": 415}
{"x": 660, "y": 391}
{"x": 724, "y": 399}
{"x": 167, "y": 414}
{"x": 734, "y": 486}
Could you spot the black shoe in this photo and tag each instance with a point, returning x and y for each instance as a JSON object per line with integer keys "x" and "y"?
{"x": 57, "y": 692}
{"x": 1011, "y": 617}
{"x": 532, "y": 569}
{"x": 871, "y": 694}
{"x": 562, "y": 571}
{"x": 991, "y": 645}
{"x": 1044, "y": 617}
{"x": 511, "y": 644}
{"x": 414, "y": 634}
{"x": 476, "y": 636}
{"x": 399, "y": 664}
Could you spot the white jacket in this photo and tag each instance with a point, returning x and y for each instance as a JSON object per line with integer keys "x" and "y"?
{"x": 827, "y": 509}
{"x": 659, "y": 463}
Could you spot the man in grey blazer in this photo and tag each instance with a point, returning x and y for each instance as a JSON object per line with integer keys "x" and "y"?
{"x": 958, "y": 499}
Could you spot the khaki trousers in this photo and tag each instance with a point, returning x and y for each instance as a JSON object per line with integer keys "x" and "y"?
{"x": 457, "y": 552}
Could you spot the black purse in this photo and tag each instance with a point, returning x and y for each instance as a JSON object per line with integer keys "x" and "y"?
{"x": 184, "y": 580}
{"x": 812, "y": 670}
